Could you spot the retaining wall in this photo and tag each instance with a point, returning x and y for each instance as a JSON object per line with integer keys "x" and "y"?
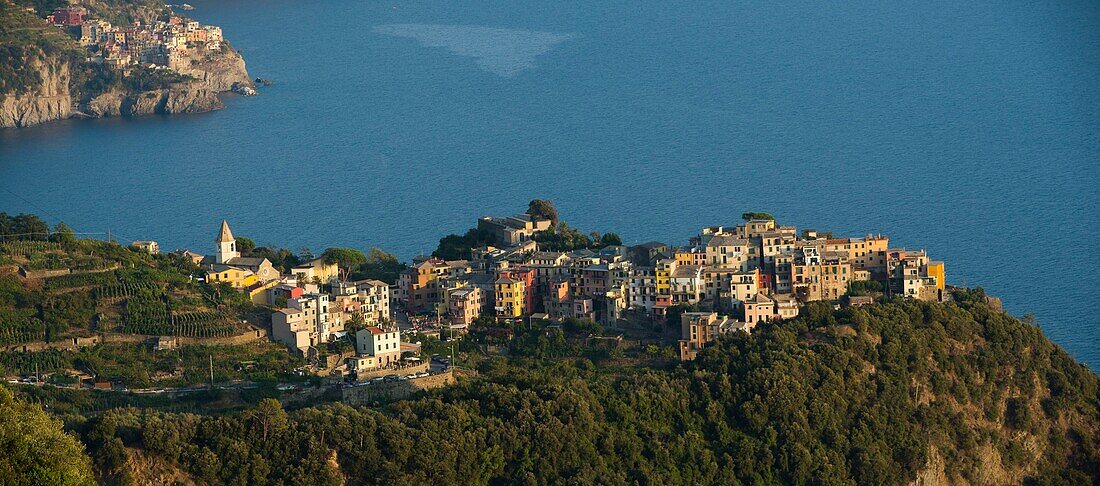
{"x": 395, "y": 390}
{"x": 114, "y": 338}
{"x": 367, "y": 375}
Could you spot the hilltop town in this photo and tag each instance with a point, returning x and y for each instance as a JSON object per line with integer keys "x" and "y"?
{"x": 541, "y": 338}
{"x": 340, "y": 319}
{"x": 117, "y": 59}
{"x": 723, "y": 280}
{"x": 176, "y": 45}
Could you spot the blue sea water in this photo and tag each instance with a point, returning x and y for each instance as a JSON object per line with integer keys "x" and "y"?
{"x": 970, "y": 129}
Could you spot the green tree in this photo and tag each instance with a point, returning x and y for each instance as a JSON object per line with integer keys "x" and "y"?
{"x": 305, "y": 254}
{"x": 455, "y": 247}
{"x": 379, "y": 266}
{"x": 610, "y": 239}
{"x": 281, "y": 258}
{"x": 267, "y": 418}
{"x": 245, "y": 245}
{"x": 347, "y": 259}
{"x": 35, "y": 450}
{"x": 543, "y": 208}
{"x": 755, "y": 215}
{"x": 22, "y": 227}
{"x": 563, "y": 238}
{"x": 864, "y": 287}
{"x": 63, "y": 234}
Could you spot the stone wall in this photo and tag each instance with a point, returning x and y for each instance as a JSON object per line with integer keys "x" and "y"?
{"x": 251, "y": 335}
{"x": 395, "y": 390}
{"x": 41, "y": 274}
{"x": 368, "y": 375}
{"x": 114, "y": 338}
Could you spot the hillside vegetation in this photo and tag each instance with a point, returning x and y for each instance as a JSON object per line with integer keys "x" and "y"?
{"x": 891, "y": 393}
{"x": 27, "y": 43}
{"x": 108, "y": 288}
{"x": 45, "y": 75}
{"x": 120, "y": 296}
{"x": 883, "y": 394}
{"x": 25, "y": 39}
{"x": 36, "y": 450}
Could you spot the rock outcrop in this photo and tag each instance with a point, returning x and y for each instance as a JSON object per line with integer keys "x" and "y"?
{"x": 51, "y": 100}
{"x": 190, "y": 98}
{"x": 219, "y": 71}
{"x": 54, "y": 99}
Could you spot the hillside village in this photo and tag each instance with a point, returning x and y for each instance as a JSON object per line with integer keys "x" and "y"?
{"x": 724, "y": 279}
{"x": 763, "y": 311}
{"x": 159, "y": 44}
{"x": 119, "y": 58}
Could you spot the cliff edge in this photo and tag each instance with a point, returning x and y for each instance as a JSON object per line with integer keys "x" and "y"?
{"x": 57, "y": 98}
{"x": 45, "y": 75}
{"x": 220, "y": 71}
{"x": 51, "y": 100}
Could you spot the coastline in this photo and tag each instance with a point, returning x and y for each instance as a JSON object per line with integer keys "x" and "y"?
{"x": 65, "y": 84}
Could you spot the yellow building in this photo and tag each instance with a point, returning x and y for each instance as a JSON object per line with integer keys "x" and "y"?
{"x": 935, "y": 270}
{"x": 867, "y": 253}
{"x": 316, "y": 270}
{"x": 237, "y": 277}
{"x": 258, "y": 292}
{"x": 509, "y": 297}
{"x": 662, "y": 274}
{"x": 689, "y": 256}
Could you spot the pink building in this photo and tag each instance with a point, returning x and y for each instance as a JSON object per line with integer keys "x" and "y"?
{"x": 760, "y": 308}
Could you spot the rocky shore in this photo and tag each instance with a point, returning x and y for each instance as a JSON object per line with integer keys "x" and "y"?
{"x": 55, "y": 99}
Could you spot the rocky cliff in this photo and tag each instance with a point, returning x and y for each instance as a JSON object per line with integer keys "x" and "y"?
{"x": 188, "y": 98}
{"x": 55, "y": 98}
{"x": 50, "y": 101}
{"x": 219, "y": 71}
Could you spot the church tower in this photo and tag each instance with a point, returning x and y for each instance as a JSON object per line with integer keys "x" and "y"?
{"x": 227, "y": 245}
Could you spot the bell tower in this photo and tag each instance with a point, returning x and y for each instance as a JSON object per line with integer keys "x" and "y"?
{"x": 227, "y": 245}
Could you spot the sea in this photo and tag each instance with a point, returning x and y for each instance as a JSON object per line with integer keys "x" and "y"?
{"x": 968, "y": 129}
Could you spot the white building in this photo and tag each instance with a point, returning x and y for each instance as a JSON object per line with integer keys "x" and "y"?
{"x": 147, "y": 246}
{"x": 227, "y": 245}
{"x": 306, "y": 321}
{"x": 383, "y": 344}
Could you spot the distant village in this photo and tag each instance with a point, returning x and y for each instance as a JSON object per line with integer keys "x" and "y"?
{"x": 161, "y": 44}
{"x": 723, "y": 280}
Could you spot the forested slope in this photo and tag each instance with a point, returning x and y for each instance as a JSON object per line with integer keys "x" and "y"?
{"x": 883, "y": 394}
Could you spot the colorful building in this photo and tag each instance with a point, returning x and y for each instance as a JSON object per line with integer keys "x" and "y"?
{"x": 510, "y": 297}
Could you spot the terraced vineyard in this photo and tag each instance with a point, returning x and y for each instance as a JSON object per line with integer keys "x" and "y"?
{"x": 124, "y": 289}
{"x": 19, "y": 328}
{"x": 25, "y": 247}
{"x": 133, "y": 292}
{"x": 76, "y": 280}
{"x": 186, "y": 324}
